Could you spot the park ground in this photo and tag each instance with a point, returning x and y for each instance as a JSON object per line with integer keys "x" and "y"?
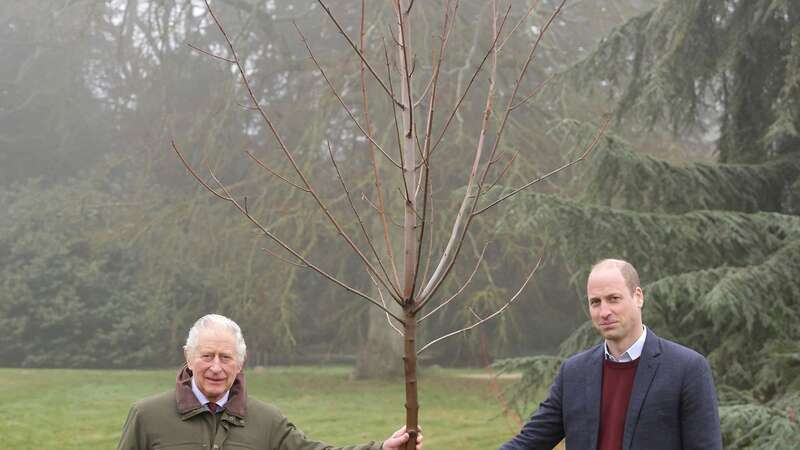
{"x": 85, "y": 409}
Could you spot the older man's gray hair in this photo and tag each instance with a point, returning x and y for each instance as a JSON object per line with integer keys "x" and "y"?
{"x": 216, "y": 321}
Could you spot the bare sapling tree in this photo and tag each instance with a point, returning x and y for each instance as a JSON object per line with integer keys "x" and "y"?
{"x": 405, "y": 268}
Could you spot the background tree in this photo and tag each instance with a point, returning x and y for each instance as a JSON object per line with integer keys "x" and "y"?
{"x": 717, "y": 242}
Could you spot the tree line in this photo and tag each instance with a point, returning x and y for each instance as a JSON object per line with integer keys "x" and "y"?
{"x": 110, "y": 250}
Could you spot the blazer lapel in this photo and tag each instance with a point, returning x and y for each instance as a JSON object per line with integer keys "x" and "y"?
{"x": 648, "y": 365}
{"x": 594, "y": 390}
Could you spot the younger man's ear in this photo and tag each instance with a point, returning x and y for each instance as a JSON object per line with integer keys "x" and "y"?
{"x": 638, "y": 295}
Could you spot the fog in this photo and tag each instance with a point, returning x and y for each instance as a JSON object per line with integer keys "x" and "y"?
{"x": 111, "y": 249}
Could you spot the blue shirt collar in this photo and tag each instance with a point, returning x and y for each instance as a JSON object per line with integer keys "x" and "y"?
{"x": 203, "y": 399}
{"x": 631, "y": 354}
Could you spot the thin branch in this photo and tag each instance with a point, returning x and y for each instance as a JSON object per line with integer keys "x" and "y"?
{"x": 341, "y": 101}
{"x": 489, "y": 52}
{"x": 360, "y": 54}
{"x": 424, "y": 93}
{"x": 517, "y": 85}
{"x": 536, "y": 91}
{"x": 282, "y": 259}
{"x": 423, "y": 162}
{"x": 487, "y": 318}
{"x": 285, "y": 149}
{"x": 389, "y": 319}
{"x": 273, "y": 237}
{"x": 437, "y": 283}
{"x": 463, "y": 286}
{"x": 266, "y": 167}
{"x": 416, "y": 214}
{"x": 406, "y": 71}
{"x": 425, "y": 152}
{"x": 419, "y": 154}
{"x": 361, "y": 223}
{"x": 375, "y": 168}
{"x": 583, "y": 156}
{"x": 196, "y": 176}
{"x": 383, "y": 302}
{"x": 248, "y": 108}
{"x": 421, "y": 234}
{"x": 396, "y": 122}
{"x": 447, "y": 28}
{"x": 458, "y": 232}
{"x": 221, "y": 58}
{"x": 517, "y": 25}
{"x": 429, "y": 257}
{"x": 375, "y": 207}
{"x": 502, "y": 172}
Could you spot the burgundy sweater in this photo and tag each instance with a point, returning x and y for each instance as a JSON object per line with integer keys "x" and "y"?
{"x": 617, "y": 386}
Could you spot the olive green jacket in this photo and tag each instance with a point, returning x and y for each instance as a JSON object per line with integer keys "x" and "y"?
{"x": 177, "y": 421}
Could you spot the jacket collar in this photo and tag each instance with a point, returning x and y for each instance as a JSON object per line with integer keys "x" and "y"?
{"x": 189, "y": 406}
{"x": 645, "y": 372}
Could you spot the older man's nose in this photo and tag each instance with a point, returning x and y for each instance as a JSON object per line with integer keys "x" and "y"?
{"x": 216, "y": 364}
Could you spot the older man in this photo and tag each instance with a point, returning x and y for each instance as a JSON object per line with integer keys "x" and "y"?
{"x": 635, "y": 391}
{"x": 210, "y": 408}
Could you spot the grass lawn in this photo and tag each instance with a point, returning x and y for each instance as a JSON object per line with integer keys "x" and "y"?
{"x": 85, "y": 409}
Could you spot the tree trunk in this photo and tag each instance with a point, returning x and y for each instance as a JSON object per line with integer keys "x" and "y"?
{"x": 410, "y": 367}
{"x": 378, "y": 357}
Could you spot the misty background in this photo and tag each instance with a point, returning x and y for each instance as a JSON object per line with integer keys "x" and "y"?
{"x": 109, "y": 250}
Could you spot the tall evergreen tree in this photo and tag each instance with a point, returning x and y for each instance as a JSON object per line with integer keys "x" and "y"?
{"x": 718, "y": 243}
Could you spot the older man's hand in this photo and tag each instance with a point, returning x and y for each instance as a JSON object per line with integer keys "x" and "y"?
{"x": 399, "y": 438}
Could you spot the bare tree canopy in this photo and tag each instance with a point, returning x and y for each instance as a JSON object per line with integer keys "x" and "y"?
{"x": 406, "y": 164}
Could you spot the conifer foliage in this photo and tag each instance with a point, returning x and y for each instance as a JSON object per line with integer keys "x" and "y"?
{"x": 717, "y": 244}
{"x": 680, "y": 61}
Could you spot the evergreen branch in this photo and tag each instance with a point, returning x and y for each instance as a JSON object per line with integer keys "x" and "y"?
{"x": 669, "y": 187}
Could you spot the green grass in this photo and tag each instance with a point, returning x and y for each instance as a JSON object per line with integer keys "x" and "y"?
{"x": 85, "y": 409}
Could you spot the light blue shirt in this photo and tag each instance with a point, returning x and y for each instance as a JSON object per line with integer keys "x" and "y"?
{"x": 203, "y": 399}
{"x": 631, "y": 354}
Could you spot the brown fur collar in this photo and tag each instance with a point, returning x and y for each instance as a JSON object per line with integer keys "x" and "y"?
{"x": 186, "y": 401}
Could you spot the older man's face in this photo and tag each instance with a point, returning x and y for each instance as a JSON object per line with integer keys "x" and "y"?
{"x": 214, "y": 363}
